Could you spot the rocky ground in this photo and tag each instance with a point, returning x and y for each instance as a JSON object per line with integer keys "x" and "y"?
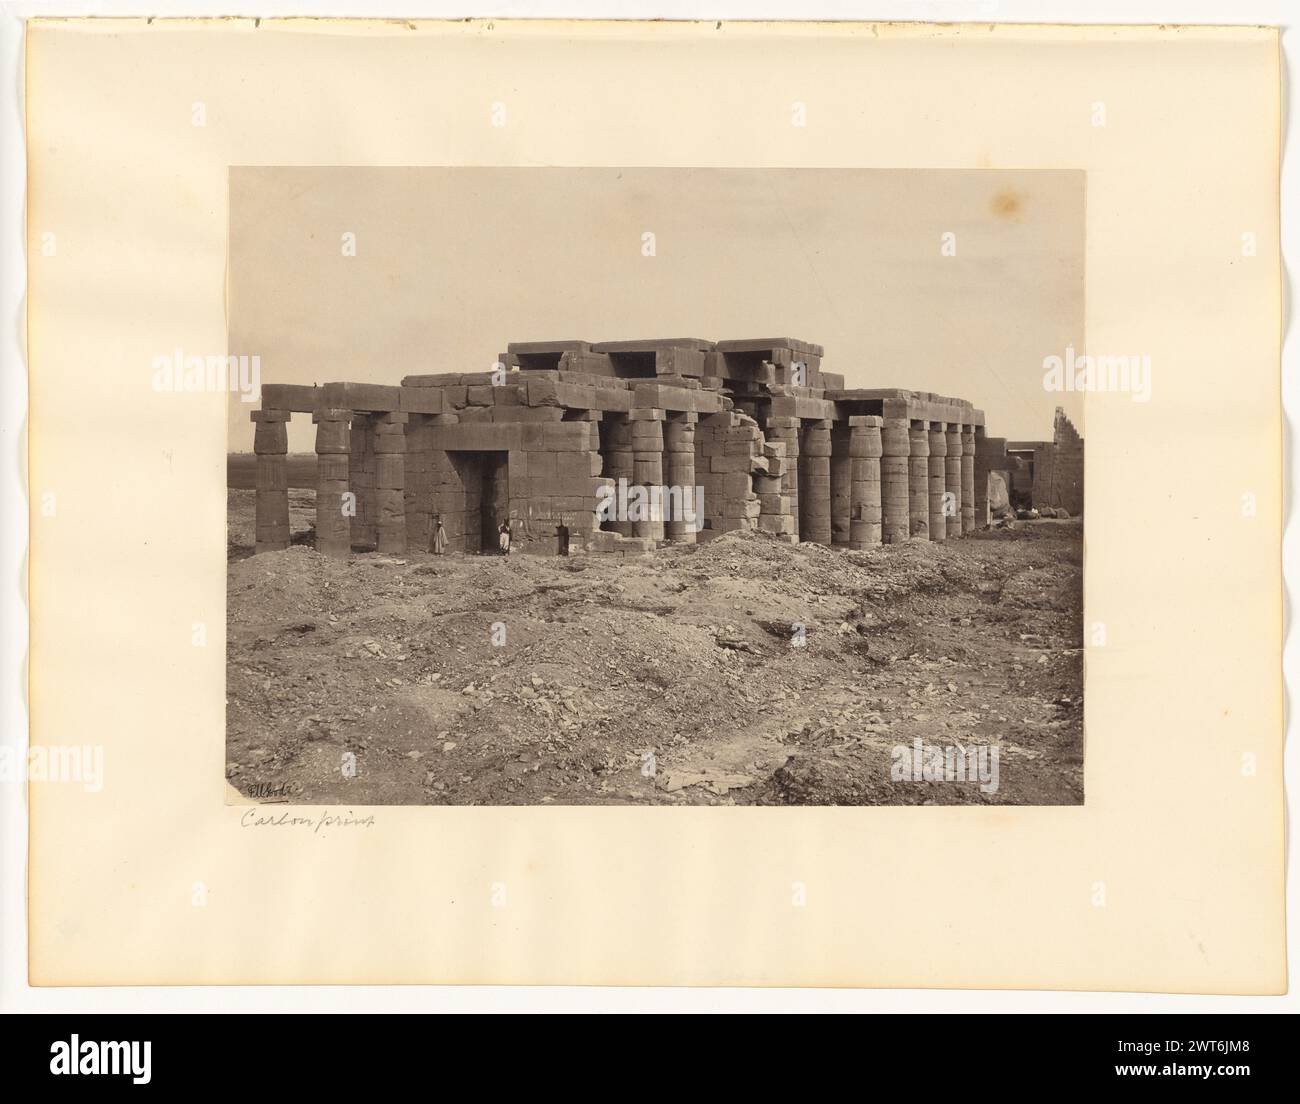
{"x": 673, "y": 680}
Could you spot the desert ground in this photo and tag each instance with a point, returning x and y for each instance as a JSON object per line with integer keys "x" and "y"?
{"x": 669, "y": 680}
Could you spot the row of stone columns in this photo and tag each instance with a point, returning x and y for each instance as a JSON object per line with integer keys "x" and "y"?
{"x": 360, "y": 480}
{"x": 876, "y": 480}
{"x": 361, "y": 475}
{"x": 884, "y": 479}
{"x": 653, "y": 448}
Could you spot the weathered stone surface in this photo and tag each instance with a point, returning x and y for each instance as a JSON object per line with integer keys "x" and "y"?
{"x": 776, "y": 443}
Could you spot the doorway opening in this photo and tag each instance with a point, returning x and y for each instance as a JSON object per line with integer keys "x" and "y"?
{"x": 486, "y": 479}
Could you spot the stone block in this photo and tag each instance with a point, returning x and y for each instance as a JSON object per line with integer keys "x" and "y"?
{"x": 390, "y": 472}
{"x": 421, "y": 400}
{"x": 333, "y": 437}
{"x": 360, "y": 396}
{"x": 270, "y": 437}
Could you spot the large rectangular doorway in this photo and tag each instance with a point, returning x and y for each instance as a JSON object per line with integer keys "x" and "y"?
{"x": 486, "y": 479}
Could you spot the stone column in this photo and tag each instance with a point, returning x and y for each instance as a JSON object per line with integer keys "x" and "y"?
{"x": 786, "y": 430}
{"x": 918, "y": 481}
{"x": 271, "y": 445}
{"x": 333, "y": 444}
{"x": 952, "y": 480}
{"x": 896, "y": 450}
{"x": 990, "y": 456}
{"x": 390, "y": 482}
{"x": 938, "y": 480}
{"x": 648, "y": 467}
{"x": 841, "y": 484}
{"x": 418, "y": 494}
{"x": 361, "y": 478}
{"x": 968, "y": 479}
{"x": 815, "y": 483}
{"x": 617, "y": 462}
{"x": 865, "y": 448}
{"x": 679, "y": 473}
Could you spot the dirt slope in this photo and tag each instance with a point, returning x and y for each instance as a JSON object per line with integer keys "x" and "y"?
{"x": 673, "y": 680}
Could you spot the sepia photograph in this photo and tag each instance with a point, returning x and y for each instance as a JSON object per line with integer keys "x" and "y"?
{"x": 495, "y": 539}
{"x": 740, "y": 511}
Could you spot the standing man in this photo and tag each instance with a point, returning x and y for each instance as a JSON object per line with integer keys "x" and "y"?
{"x": 438, "y": 536}
{"x": 504, "y": 537}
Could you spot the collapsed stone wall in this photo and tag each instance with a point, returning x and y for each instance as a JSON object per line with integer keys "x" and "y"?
{"x": 730, "y": 464}
{"x": 1058, "y": 468}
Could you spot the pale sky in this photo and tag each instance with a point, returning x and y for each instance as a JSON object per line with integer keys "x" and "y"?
{"x": 451, "y": 264}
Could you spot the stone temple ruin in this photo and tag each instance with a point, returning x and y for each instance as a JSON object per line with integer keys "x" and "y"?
{"x": 1048, "y": 473}
{"x": 774, "y": 442}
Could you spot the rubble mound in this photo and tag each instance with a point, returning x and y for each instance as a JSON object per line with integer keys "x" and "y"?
{"x": 744, "y": 670}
